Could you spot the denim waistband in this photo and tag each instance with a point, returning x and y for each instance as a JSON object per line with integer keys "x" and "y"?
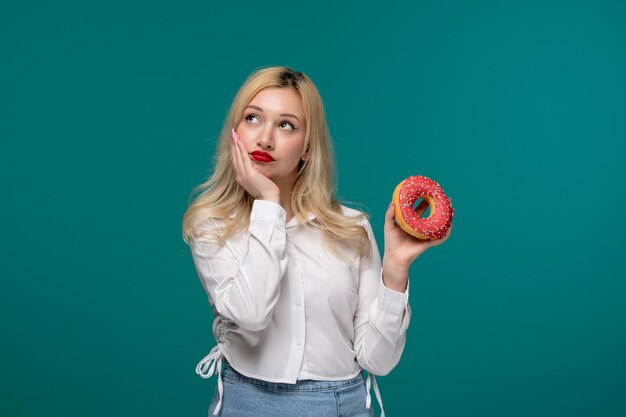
{"x": 302, "y": 385}
{"x": 213, "y": 363}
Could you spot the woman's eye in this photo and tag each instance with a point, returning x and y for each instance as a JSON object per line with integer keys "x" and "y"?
{"x": 249, "y": 117}
{"x": 291, "y": 127}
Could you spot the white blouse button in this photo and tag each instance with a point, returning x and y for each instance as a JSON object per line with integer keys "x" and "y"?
{"x": 299, "y": 342}
{"x": 298, "y": 302}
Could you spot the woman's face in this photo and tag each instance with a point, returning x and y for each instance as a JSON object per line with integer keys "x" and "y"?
{"x": 273, "y": 123}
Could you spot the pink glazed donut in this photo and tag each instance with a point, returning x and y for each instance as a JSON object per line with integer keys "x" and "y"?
{"x": 440, "y": 219}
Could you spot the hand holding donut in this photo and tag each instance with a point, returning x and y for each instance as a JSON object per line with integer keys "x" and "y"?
{"x": 257, "y": 184}
{"x": 400, "y": 247}
{"x": 408, "y": 239}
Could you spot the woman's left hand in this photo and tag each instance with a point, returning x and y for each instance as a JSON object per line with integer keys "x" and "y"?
{"x": 401, "y": 249}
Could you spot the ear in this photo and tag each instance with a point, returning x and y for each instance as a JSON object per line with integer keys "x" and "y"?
{"x": 305, "y": 156}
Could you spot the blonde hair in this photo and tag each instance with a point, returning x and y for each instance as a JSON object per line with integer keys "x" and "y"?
{"x": 313, "y": 191}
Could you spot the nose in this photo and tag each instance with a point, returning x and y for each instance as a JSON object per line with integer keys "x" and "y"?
{"x": 265, "y": 139}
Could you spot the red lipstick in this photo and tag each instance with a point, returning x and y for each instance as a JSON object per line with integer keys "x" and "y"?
{"x": 262, "y": 156}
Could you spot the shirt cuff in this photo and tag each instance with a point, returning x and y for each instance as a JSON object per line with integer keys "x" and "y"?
{"x": 268, "y": 212}
{"x": 395, "y": 302}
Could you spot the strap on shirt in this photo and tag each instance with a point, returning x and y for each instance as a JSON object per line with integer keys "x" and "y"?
{"x": 206, "y": 367}
{"x": 368, "y": 401}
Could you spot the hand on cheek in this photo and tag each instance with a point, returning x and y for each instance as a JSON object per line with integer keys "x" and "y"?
{"x": 246, "y": 174}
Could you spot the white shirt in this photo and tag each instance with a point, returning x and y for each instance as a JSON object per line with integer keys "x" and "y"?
{"x": 287, "y": 308}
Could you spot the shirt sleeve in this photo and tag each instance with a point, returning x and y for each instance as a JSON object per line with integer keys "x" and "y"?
{"x": 382, "y": 317}
{"x": 243, "y": 281}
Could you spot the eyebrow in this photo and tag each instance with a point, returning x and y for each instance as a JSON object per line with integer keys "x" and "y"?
{"x": 283, "y": 114}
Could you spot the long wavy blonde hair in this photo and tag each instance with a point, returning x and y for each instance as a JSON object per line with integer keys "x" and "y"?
{"x": 315, "y": 186}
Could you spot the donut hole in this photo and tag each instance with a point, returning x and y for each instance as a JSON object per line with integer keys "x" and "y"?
{"x": 426, "y": 212}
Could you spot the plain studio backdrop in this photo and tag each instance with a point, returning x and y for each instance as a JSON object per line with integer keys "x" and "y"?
{"x": 109, "y": 113}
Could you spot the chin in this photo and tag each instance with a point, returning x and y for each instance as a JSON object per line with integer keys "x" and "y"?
{"x": 263, "y": 170}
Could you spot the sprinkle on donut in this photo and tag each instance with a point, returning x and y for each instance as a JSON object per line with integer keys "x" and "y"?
{"x": 441, "y": 212}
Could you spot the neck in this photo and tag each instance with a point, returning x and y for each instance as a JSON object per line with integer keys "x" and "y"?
{"x": 285, "y": 202}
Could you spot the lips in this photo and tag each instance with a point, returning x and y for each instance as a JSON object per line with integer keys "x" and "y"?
{"x": 262, "y": 156}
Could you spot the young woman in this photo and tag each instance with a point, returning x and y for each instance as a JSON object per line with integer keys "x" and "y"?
{"x": 301, "y": 300}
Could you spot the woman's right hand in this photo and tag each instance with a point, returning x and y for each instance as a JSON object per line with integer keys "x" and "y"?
{"x": 255, "y": 183}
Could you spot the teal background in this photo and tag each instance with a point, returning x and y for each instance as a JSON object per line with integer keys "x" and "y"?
{"x": 108, "y": 119}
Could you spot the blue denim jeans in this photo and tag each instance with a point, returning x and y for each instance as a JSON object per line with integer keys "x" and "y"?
{"x": 245, "y": 396}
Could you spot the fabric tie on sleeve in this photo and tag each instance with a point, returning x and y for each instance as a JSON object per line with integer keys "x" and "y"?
{"x": 371, "y": 378}
{"x": 206, "y": 368}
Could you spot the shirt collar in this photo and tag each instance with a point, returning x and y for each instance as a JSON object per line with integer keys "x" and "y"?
{"x": 291, "y": 223}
